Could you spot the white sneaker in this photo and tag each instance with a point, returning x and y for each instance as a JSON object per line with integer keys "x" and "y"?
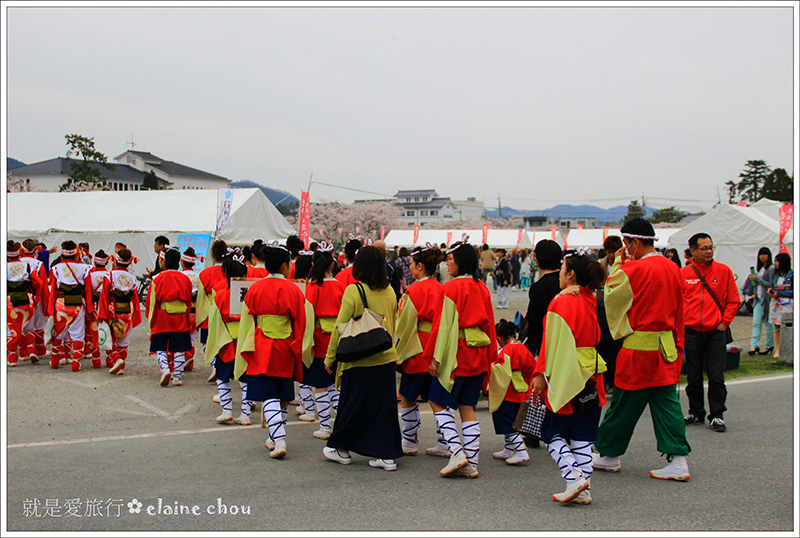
{"x": 242, "y": 420}
{"x": 455, "y": 463}
{"x": 503, "y": 454}
{"x": 322, "y": 433}
{"x": 165, "y": 378}
{"x": 518, "y": 457}
{"x": 606, "y": 463}
{"x": 409, "y": 448}
{"x": 300, "y": 409}
{"x": 307, "y": 417}
{"x": 215, "y": 398}
{"x": 118, "y": 366}
{"x": 584, "y": 497}
{"x": 438, "y": 450}
{"x": 176, "y": 382}
{"x": 388, "y": 465}
{"x": 225, "y": 418}
{"x": 574, "y": 488}
{"x": 676, "y": 469}
{"x": 269, "y": 443}
{"x": 280, "y": 449}
{"x": 468, "y": 471}
{"x": 334, "y": 454}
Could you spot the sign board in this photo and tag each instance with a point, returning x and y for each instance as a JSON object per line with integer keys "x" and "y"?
{"x": 199, "y": 242}
{"x": 239, "y": 287}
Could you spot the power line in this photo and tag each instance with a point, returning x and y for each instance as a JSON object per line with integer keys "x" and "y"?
{"x": 352, "y": 189}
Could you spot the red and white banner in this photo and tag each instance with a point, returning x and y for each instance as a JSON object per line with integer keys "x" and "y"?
{"x": 519, "y": 237}
{"x": 485, "y": 234}
{"x": 356, "y": 229}
{"x": 605, "y": 232}
{"x": 416, "y": 234}
{"x": 449, "y": 238}
{"x": 305, "y": 219}
{"x": 553, "y": 233}
{"x": 785, "y": 213}
{"x": 383, "y": 232}
{"x": 339, "y": 229}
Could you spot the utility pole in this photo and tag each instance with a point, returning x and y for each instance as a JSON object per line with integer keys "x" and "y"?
{"x": 499, "y": 207}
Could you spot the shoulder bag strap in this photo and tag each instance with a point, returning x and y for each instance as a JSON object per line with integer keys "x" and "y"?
{"x": 708, "y": 288}
{"x": 362, "y": 293}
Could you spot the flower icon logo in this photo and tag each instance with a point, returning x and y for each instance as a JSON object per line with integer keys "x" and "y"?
{"x": 134, "y": 507}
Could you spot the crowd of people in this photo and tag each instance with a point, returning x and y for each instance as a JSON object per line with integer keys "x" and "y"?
{"x": 621, "y": 321}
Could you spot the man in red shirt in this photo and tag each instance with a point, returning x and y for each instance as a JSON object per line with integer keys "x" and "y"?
{"x": 710, "y": 300}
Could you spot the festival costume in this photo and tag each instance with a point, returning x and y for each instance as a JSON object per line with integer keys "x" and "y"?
{"x": 99, "y": 276}
{"x": 195, "y": 331}
{"x": 269, "y": 352}
{"x": 23, "y": 285}
{"x": 326, "y": 301}
{"x": 644, "y": 305}
{"x": 120, "y": 300}
{"x": 168, "y": 304}
{"x": 345, "y": 276}
{"x": 212, "y": 279}
{"x": 223, "y": 334}
{"x": 510, "y": 384}
{"x": 568, "y": 359}
{"x": 464, "y": 344}
{"x": 69, "y": 300}
{"x": 33, "y": 331}
{"x": 415, "y": 314}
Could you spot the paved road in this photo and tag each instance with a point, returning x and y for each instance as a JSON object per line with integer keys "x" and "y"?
{"x": 87, "y": 444}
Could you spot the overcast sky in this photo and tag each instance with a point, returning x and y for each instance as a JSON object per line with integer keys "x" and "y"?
{"x": 537, "y": 105}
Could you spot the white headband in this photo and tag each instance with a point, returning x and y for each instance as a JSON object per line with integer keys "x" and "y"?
{"x": 325, "y": 247}
{"x": 634, "y": 236}
{"x": 463, "y": 242}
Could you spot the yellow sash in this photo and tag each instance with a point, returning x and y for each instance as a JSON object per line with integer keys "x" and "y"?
{"x": 661, "y": 341}
{"x": 326, "y": 323}
{"x": 174, "y": 307}
{"x": 425, "y": 326}
{"x": 474, "y": 337}
{"x": 275, "y": 327}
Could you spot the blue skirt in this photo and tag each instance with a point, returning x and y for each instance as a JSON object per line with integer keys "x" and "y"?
{"x": 415, "y": 386}
{"x": 172, "y": 342}
{"x": 504, "y": 417}
{"x": 261, "y": 388}
{"x": 366, "y": 422}
{"x": 466, "y": 391}
{"x": 317, "y": 376}
{"x": 572, "y": 427}
{"x": 223, "y": 371}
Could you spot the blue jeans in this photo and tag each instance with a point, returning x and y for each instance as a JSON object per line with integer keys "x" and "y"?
{"x": 761, "y": 318}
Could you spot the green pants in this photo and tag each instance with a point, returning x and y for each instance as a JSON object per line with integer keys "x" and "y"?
{"x": 614, "y": 433}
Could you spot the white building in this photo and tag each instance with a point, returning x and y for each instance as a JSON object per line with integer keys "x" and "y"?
{"x": 128, "y": 174}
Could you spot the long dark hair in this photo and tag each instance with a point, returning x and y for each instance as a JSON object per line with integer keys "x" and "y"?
{"x": 466, "y": 259}
{"x": 323, "y": 259}
{"x": 784, "y": 263}
{"x": 369, "y": 267}
{"x": 588, "y": 272}
{"x": 759, "y": 265}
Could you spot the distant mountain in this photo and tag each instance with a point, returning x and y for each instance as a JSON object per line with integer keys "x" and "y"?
{"x": 275, "y": 196}
{"x": 13, "y": 163}
{"x": 611, "y": 215}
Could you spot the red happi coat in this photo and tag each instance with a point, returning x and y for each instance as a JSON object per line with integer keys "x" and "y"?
{"x": 168, "y": 286}
{"x": 326, "y": 300}
{"x": 276, "y": 296}
{"x": 521, "y": 361}
{"x": 425, "y": 297}
{"x": 213, "y": 280}
{"x": 345, "y": 276}
{"x": 222, "y": 300}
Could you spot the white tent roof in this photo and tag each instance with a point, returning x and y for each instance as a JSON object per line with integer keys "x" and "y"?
{"x": 101, "y": 218}
{"x": 495, "y": 238}
{"x": 738, "y": 233}
{"x": 593, "y": 237}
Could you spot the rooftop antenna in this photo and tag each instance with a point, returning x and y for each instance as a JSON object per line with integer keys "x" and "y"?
{"x": 131, "y": 142}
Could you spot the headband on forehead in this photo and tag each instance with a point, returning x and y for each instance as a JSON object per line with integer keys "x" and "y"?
{"x": 325, "y": 247}
{"x": 100, "y": 260}
{"x": 13, "y": 253}
{"x": 69, "y": 252}
{"x": 123, "y": 263}
{"x": 188, "y": 259}
{"x": 274, "y": 244}
{"x": 580, "y": 251}
{"x": 654, "y": 237}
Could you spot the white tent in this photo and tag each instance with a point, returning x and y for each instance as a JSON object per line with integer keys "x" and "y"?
{"x": 738, "y": 233}
{"x": 539, "y": 235}
{"x": 495, "y": 238}
{"x": 593, "y": 237}
{"x": 136, "y": 218}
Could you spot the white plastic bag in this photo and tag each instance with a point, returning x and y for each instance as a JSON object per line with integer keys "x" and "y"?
{"x": 104, "y": 336}
{"x": 49, "y": 330}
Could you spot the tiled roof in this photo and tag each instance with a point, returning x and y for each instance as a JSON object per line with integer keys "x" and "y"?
{"x": 406, "y": 194}
{"x": 61, "y": 166}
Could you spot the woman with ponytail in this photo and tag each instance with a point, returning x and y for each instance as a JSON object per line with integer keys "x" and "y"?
{"x": 324, "y": 293}
{"x": 569, "y": 372}
{"x": 459, "y": 365}
{"x": 415, "y": 314}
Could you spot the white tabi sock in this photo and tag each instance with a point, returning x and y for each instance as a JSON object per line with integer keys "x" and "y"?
{"x": 307, "y": 397}
{"x": 471, "y": 431}
{"x": 272, "y": 414}
{"x": 245, "y": 402}
{"x": 323, "y": 404}
{"x": 564, "y": 458}
{"x": 447, "y": 428}
{"x": 411, "y": 423}
{"x": 224, "y": 390}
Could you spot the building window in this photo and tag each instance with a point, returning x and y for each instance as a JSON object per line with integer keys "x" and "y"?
{"x": 434, "y": 213}
{"x": 125, "y": 187}
{"x": 409, "y": 213}
{"x": 416, "y": 198}
{"x": 423, "y": 213}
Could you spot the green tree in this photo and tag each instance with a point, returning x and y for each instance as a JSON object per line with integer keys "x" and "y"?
{"x": 634, "y": 211}
{"x": 779, "y": 186}
{"x": 289, "y": 209}
{"x": 85, "y": 175}
{"x": 150, "y": 182}
{"x": 749, "y": 188}
{"x": 668, "y": 214}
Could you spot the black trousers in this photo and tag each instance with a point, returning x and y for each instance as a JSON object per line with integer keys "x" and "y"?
{"x": 705, "y": 351}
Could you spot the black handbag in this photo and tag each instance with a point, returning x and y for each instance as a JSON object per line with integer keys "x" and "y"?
{"x": 363, "y": 336}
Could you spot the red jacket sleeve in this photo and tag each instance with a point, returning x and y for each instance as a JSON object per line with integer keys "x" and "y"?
{"x": 733, "y": 300}
{"x": 87, "y": 293}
